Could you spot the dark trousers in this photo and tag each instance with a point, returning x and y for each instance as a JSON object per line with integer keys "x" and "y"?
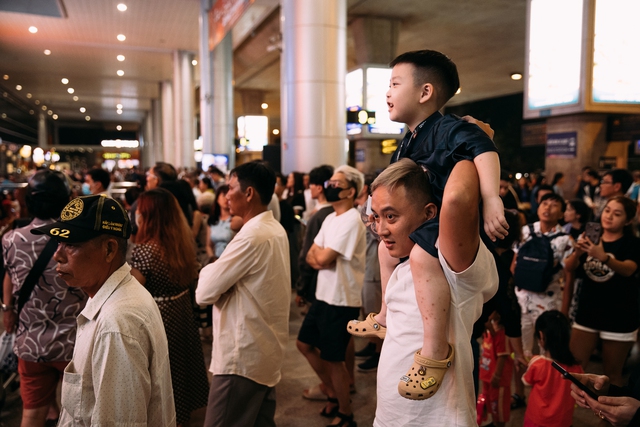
{"x": 238, "y": 401}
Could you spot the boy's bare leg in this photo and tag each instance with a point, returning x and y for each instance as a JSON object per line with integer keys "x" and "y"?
{"x": 387, "y": 265}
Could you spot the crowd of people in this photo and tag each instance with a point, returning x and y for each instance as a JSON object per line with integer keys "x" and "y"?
{"x": 455, "y": 274}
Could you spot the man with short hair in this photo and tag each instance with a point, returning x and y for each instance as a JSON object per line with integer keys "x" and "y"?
{"x": 338, "y": 253}
{"x": 119, "y": 374}
{"x": 402, "y": 201}
{"x": 98, "y": 180}
{"x": 614, "y": 182}
{"x": 249, "y": 287}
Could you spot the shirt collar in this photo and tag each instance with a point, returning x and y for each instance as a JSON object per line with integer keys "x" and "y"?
{"x": 94, "y": 304}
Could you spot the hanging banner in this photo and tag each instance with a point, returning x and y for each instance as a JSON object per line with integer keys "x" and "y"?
{"x": 223, "y": 16}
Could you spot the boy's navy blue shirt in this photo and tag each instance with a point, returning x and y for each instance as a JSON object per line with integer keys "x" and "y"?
{"x": 438, "y": 143}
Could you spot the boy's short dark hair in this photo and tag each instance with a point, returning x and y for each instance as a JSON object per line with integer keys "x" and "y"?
{"x": 622, "y": 177}
{"x": 435, "y": 68}
{"x": 319, "y": 175}
{"x": 556, "y": 198}
{"x": 257, "y": 175}
{"x": 101, "y": 176}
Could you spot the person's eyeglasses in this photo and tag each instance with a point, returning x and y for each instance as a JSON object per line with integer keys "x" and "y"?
{"x": 332, "y": 184}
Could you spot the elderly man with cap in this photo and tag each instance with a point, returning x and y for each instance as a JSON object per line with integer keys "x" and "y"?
{"x": 37, "y": 304}
{"x": 119, "y": 374}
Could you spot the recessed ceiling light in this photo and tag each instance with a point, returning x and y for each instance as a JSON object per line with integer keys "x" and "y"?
{"x": 194, "y": 62}
{"x": 120, "y": 58}
{"x": 119, "y": 111}
{"x": 44, "y": 108}
{"x": 119, "y": 127}
{"x": 87, "y": 118}
{"x": 50, "y": 112}
{"x": 33, "y": 29}
{"x": 119, "y": 106}
{"x": 54, "y": 117}
{"x": 264, "y": 106}
{"x": 70, "y": 90}
{"x": 121, "y": 37}
{"x": 516, "y": 76}
{"x": 276, "y": 131}
{"x": 32, "y": 112}
{"x": 75, "y": 98}
{"x": 4, "y": 115}
{"x": 82, "y": 109}
{"x": 122, "y": 7}
{"x": 65, "y": 81}
{"x": 459, "y": 90}
{"x": 6, "y": 77}
{"x": 29, "y": 95}
{"x": 120, "y": 73}
{"x": 18, "y": 87}
{"x": 37, "y": 102}
{"x": 47, "y": 52}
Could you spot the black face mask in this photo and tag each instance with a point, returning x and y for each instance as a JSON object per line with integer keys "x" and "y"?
{"x": 333, "y": 194}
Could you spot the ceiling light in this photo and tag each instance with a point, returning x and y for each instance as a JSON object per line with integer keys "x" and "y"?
{"x": 119, "y": 106}
{"x": 264, "y": 105}
{"x": 121, "y": 37}
{"x": 29, "y": 95}
{"x": 4, "y": 115}
{"x": 276, "y": 131}
{"x": 33, "y": 29}
{"x": 119, "y": 127}
{"x": 87, "y": 118}
{"x": 119, "y": 111}
{"x": 122, "y": 7}
{"x": 6, "y": 77}
{"x": 120, "y": 58}
{"x": 50, "y": 112}
{"x": 44, "y": 108}
{"x": 82, "y": 109}
{"x": 70, "y": 90}
{"x": 47, "y": 52}
{"x": 65, "y": 81}
{"x": 31, "y": 112}
{"x": 75, "y": 98}
{"x": 54, "y": 117}
{"x": 516, "y": 76}
{"x": 37, "y": 102}
{"x": 18, "y": 87}
{"x": 120, "y": 73}
{"x": 459, "y": 90}
{"x": 194, "y": 62}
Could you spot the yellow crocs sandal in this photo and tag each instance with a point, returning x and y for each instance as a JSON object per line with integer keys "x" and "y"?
{"x": 424, "y": 377}
{"x": 367, "y": 327}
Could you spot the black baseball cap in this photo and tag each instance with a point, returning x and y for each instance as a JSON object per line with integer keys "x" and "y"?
{"x": 87, "y": 217}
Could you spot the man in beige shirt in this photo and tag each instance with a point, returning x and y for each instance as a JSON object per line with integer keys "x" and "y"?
{"x": 119, "y": 375}
{"x": 250, "y": 289}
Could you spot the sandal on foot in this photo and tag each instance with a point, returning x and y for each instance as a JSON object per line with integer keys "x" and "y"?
{"x": 333, "y": 412}
{"x": 345, "y": 421}
{"x": 424, "y": 377}
{"x": 367, "y": 327}
{"x": 314, "y": 393}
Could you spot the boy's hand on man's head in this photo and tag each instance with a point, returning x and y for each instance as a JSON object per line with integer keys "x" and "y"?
{"x": 495, "y": 224}
{"x": 486, "y": 128}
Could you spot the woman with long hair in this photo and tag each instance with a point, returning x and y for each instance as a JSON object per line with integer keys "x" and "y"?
{"x": 164, "y": 261}
{"x": 221, "y": 224}
{"x": 607, "y": 308}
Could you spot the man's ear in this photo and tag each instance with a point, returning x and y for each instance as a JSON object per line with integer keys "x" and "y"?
{"x": 250, "y": 193}
{"x": 430, "y": 211}
{"x": 427, "y": 93}
{"x": 110, "y": 246}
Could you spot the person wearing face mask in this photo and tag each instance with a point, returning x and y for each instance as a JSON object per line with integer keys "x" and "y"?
{"x": 338, "y": 253}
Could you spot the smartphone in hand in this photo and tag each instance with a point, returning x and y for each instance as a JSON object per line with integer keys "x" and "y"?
{"x": 593, "y": 230}
{"x": 574, "y": 380}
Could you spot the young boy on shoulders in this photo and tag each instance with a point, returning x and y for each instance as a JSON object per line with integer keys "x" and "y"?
{"x": 421, "y": 83}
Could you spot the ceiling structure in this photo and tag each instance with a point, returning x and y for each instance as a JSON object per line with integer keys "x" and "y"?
{"x": 485, "y": 38}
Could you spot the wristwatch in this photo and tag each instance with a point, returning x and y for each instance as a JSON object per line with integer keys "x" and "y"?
{"x": 6, "y": 307}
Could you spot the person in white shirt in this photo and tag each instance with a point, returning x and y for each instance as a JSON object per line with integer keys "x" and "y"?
{"x": 119, "y": 374}
{"x": 401, "y": 202}
{"x": 250, "y": 289}
{"x": 338, "y": 253}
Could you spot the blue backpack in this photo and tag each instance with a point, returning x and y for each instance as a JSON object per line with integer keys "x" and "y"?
{"x": 534, "y": 262}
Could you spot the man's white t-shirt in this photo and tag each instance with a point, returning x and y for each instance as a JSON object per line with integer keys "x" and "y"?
{"x": 454, "y": 404}
{"x": 341, "y": 285}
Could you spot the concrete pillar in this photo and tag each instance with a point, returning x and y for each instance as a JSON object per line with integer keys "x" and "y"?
{"x": 146, "y": 141}
{"x": 206, "y": 80}
{"x": 223, "y": 123}
{"x": 591, "y": 130}
{"x": 156, "y": 142}
{"x": 166, "y": 94}
{"x": 42, "y": 130}
{"x": 313, "y": 68}
{"x": 183, "y": 111}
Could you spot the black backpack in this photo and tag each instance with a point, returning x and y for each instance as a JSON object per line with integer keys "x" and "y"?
{"x": 534, "y": 262}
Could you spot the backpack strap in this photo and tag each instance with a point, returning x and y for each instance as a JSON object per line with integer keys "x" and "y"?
{"x": 36, "y": 272}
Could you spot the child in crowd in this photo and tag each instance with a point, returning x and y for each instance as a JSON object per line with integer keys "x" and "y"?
{"x": 550, "y": 402}
{"x": 421, "y": 83}
{"x": 496, "y": 368}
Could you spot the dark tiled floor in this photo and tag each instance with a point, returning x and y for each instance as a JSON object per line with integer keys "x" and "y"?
{"x": 295, "y": 411}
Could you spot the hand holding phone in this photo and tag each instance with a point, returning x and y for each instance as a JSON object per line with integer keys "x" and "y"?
{"x": 593, "y": 230}
{"x": 574, "y": 380}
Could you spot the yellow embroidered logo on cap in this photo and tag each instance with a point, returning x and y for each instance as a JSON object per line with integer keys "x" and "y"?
{"x": 72, "y": 210}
